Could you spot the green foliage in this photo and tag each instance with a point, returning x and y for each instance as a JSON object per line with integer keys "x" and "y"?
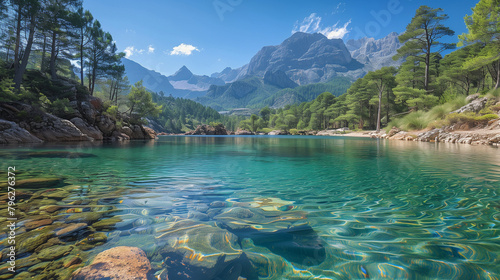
{"x": 140, "y": 102}
{"x": 61, "y": 107}
{"x": 113, "y": 112}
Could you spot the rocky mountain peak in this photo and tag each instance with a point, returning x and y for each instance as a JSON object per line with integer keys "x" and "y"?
{"x": 182, "y": 74}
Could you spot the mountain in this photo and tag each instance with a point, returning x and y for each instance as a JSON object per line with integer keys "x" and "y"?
{"x": 305, "y": 58}
{"x": 375, "y": 54}
{"x": 155, "y": 81}
{"x": 273, "y": 91}
{"x": 230, "y": 75}
{"x": 184, "y": 79}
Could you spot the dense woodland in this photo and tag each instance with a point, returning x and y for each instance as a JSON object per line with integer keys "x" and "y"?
{"x": 39, "y": 38}
{"x": 421, "y": 91}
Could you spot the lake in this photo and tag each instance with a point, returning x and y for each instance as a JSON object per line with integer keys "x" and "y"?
{"x": 262, "y": 207}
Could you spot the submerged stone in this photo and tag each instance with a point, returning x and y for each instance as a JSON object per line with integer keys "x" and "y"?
{"x": 202, "y": 251}
{"x": 84, "y": 217}
{"x": 71, "y": 229}
{"x": 91, "y": 241}
{"x": 106, "y": 224}
{"x": 29, "y": 241}
{"x": 54, "y": 252}
{"x": 119, "y": 263}
{"x": 37, "y": 183}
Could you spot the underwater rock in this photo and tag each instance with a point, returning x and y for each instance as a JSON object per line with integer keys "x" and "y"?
{"x": 71, "y": 229}
{"x": 119, "y": 263}
{"x": 54, "y": 252}
{"x": 33, "y": 224}
{"x": 29, "y": 241}
{"x": 92, "y": 241}
{"x": 84, "y": 217}
{"x": 202, "y": 251}
{"x": 51, "y": 242}
{"x": 50, "y": 208}
{"x": 106, "y": 224}
{"x": 36, "y": 183}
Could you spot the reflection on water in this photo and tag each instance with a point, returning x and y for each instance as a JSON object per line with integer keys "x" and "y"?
{"x": 307, "y": 207}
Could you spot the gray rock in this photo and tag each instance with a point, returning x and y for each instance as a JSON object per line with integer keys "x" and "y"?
{"x": 53, "y": 129}
{"x": 11, "y": 133}
{"x": 87, "y": 129}
{"x": 106, "y": 125}
{"x": 475, "y": 106}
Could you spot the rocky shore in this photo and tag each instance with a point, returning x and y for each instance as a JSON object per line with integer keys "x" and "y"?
{"x": 479, "y": 133}
{"x": 23, "y": 123}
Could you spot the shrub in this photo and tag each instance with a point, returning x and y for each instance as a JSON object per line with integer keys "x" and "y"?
{"x": 294, "y": 131}
{"x": 266, "y": 130}
{"x": 61, "y": 107}
{"x": 113, "y": 112}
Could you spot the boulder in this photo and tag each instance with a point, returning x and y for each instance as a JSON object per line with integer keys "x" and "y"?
{"x": 202, "y": 251}
{"x": 105, "y": 124}
{"x": 54, "y": 129}
{"x": 126, "y": 130}
{"x": 208, "y": 130}
{"x": 11, "y": 133}
{"x": 475, "y": 106}
{"x": 393, "y": 132}
{"x": 119, "y": 263}
{"x": 149, "y": 133}
{"x": 278, "y": 132}
{"x": 243, "y": 132}
{"x": 136, "y": 132}
{"x": 87, "y": 129}
{"x": 428, "y": 136}
{"x": 118, "y": 136}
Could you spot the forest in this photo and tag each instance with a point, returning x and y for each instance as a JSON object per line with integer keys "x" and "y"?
{"x": 46, "y": 43}
{"x": 418, "y": 94}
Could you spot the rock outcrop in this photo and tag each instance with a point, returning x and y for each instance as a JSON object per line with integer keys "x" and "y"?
{"x": 479, "y": 133}
{"x": 23, "y": 123}
{"x": 119, "y": 263}
{"x": 11, "y": 133}
{"x": 208, "y": 130}
{"x": 243, "y": 132}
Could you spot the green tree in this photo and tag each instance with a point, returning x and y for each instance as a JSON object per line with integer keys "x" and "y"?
{"x": 141, "y": 102}
{"x": 422, "y": 35}
{"x": 28, "y": 12}
{"x": 265, "y": 114}
{"x": 82, "y": 21}
{"x": 381, "y": 79}
{"x": 483, "y": 26}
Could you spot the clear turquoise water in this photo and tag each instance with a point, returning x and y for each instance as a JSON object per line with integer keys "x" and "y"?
{"x": 382, "y": 209}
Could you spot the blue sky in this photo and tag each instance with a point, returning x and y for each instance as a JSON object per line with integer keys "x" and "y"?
{"x": 209, "y": 35}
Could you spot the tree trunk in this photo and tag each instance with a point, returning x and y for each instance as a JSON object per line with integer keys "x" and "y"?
{"x": 388, "y": 107}
{"x": 426, "y": 78}
{"x": 53, "y": 71}
{"x": 18, "y": 38}
{"x": 81, "y": 55}
{"x": 379, "y": 110}
{"x": 42, "y": 66}
{"x": 18, "y": 77}
{"x": 498, "y": 74}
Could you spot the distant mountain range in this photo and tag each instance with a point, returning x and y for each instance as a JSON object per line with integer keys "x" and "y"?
{"x": 303, "y": 59}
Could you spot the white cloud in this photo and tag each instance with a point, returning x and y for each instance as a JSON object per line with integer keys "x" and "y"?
{"x": 184, "y": 49}
{"x": 131, "y": 50}
{"x": 151, "y": 49}
{"x": 312, "y": 24}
